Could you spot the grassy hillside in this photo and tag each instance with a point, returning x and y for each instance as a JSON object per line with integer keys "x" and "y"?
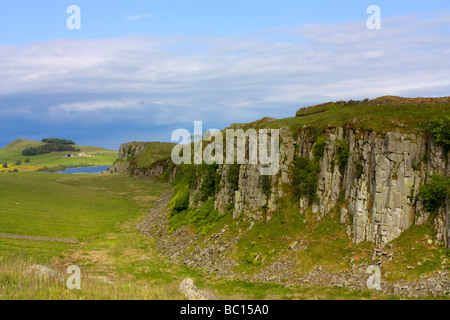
{"x": 153, "y": 152}
{"x": 13, "y": 152}
{"x": 378, "y": 115}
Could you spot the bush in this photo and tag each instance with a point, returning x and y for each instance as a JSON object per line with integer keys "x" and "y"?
{"x": 233, "y": 176}
{"x": 306, "y": 174}
{"x": 210, "y": 180}
{"x": 342, "y": 154}
{"x": 180, "y": 200}
{"x": 359, "y": 168}
{"x": 5, "y": 165}
{"x": 434, "y": 192}
{"x": 266, "y": 185}
{"x": 203, "y": 218}
{"x": 27, "y": 160}
{"x": 319, "y": 147}
{"x": 440, "y": 131}
{"x": 18, "y": 163}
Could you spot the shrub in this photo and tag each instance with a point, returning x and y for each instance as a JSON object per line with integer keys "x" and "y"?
{"x": 180, "y": 200}
{"x": 359, "y": 169}
{"x": 233, "y": 176}
{"x": 203, "y": 218}
{"x": 266, "y": 184}
{"x": 5, "y": 165}
{"x": 18, "y": 163}
{"x": 342, "y": 154}
{"x": 210, "y": 180}
{"x": 434, "y": 192}
{"x": 230, "y": 207}
{"x": 305, "y": 178}
{"x": 319, "y": 147}
{"x": 440, "y": 131}
{"x": 27, "y": 160}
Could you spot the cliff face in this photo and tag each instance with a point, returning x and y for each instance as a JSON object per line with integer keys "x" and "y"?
{"x": 376, "y": 191}
{"x": 126, "y": 162}
{"x": 376, "y": 188}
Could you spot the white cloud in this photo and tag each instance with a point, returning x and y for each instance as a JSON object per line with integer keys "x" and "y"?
{"x": 236, "y": 78}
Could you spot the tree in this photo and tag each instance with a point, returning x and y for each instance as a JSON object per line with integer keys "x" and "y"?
{"x": 434, "y": 192}
{"x": 440, "y": 130}
{"x": 306, "y": 174}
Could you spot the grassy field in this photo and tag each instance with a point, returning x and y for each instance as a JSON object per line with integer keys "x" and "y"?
{"x": 101, "y": 210}
{"x": 13, "y": 152}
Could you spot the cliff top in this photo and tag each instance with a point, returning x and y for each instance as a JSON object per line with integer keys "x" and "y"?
{"x": 383, "y": 114}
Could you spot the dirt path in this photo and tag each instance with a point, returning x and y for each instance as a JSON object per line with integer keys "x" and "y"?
{"x": 36, "y": 238}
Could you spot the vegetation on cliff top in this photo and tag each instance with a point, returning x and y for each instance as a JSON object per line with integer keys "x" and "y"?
{"x": 379, "y": 115}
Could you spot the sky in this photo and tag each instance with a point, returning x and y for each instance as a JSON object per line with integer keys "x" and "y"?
{"x": 137, "y": 70}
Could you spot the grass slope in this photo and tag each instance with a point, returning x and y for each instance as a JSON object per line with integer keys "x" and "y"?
{"x": 155, "y": 151}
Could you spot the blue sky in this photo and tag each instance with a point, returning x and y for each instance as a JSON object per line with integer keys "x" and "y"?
{"x": 136, "y": 70}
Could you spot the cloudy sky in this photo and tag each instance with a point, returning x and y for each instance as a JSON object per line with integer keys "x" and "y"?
{"x": 137, "y": 70}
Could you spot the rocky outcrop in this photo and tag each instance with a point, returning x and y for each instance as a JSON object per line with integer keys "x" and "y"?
{"x": 190, "y": 291}
{"x": 378, "y": 186}
{"x": 44, "y": 272}
{"x": 126, "y": 163}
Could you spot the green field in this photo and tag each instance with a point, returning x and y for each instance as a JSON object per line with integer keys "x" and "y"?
{"x": 13, "y": 152}
{"x": 102, "y": 210}
{"x": 42, "y": 204}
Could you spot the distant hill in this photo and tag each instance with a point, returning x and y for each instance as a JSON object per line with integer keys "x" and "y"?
{"x": 13, "y": 153}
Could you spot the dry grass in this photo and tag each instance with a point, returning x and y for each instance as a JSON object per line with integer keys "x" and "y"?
{"x": 17, "y": 284}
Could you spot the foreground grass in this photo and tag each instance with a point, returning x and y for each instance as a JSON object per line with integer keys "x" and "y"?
{"x": 40, "y": 204}
{"x": 16, "y": 283}
{"x": 115, "y": 260}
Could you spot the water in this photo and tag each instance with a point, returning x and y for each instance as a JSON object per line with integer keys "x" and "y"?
{"x": 85, "y": 170}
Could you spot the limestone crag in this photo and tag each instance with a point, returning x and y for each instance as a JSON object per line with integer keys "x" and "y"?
{"x": 378, "y": 186}
{"x": 126, "y": 164}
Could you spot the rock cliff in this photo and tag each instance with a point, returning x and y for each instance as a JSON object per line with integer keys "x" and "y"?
{"x": 376, "y": 188}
